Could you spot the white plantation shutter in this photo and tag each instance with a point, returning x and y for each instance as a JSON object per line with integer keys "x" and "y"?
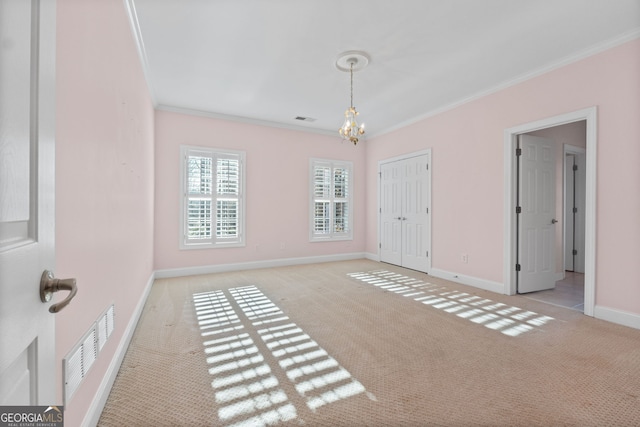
{"x": 213, "y": 197}
{"x": 330, "y": 200}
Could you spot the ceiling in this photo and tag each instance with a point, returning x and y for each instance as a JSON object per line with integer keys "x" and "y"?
{"x": 269, "y": 61}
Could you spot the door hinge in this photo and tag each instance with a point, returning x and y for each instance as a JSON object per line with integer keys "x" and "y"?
{"x": 575, "y": 167}
{"x": 517, "y": 267}
{"x": 518, "y": 209}
{"x": 575, "y": 252}
{"x": 575, "y": 210}
{"x": 427, "y": 210}
{"x": 427, "y": 254}
{"x": 380, "y": 210}
{"x": 380, "y": 245}
{"x": 518, "y": 151}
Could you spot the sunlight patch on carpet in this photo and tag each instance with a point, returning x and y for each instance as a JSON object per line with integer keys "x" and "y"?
{"x": 247, "y": 391}
{"x": 509, "y": 320}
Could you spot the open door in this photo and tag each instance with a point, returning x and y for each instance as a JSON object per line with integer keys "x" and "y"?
{"x": 536, "y": 214}
{"x": 27, "y": 131}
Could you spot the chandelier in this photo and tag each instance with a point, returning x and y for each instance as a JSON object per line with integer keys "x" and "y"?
{"x": 351, "y": 61}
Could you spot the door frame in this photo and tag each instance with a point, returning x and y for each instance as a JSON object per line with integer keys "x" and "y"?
{"x": 429, "y": 188}
{"x": 510, "y": 190}
{"x": 579, "y": 187}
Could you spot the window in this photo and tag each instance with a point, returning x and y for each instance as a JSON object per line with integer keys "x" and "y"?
{"x": 331, "y": 207}
{"x": 212, "y": 213}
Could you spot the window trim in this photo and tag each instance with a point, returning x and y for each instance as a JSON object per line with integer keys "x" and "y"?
{"x": 214, "y": 242}
{"x": 331, "y": 236}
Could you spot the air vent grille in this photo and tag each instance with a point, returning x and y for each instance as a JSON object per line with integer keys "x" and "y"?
{"x": 305, "y": 119}
{"x": 79, "y": 360}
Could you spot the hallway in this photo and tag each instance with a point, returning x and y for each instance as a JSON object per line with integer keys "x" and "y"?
{"x": 569, "y": 292}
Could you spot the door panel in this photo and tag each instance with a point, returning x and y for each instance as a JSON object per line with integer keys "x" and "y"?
{"x": 404, "y": 199}
{"x": 414, "y": 213}
{"x": 537, "y": 222}
{"x": 390, "y": 214}
{"x": 27, "y": 130}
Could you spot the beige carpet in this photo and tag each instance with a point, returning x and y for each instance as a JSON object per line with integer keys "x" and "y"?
{"x": 361, "y": 343}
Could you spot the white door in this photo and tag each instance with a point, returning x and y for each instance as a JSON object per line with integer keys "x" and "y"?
{"x": 391, "y": 213}
{"x": 537, "y": 222}
{"x": 27, "y": 130}
{"x": 415, "y": 213}
{"x": 404, "y": 204}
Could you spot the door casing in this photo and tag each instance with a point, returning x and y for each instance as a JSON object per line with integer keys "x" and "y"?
{"x": 510, "y": 191}
{"x": 577, "y": 219}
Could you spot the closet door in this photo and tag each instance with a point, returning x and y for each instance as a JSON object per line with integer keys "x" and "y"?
{"x": 404, "y": 212}
{"x": 415, "y": 211}
{"x": 390, "y": 213}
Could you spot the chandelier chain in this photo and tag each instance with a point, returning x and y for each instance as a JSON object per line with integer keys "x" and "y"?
{"x": 351, "y": 84}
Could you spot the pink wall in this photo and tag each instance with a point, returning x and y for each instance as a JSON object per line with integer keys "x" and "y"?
{"x": 104, "y": 178}
{"x": 117, "y": 220}
{"x": 277, "y": 190}
{"x": 467, "y": 177}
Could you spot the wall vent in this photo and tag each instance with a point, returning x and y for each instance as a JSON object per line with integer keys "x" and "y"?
{"x": 76, "y": 364}
{"x": 105, "y": 326}
{"x": 305, "y": 119}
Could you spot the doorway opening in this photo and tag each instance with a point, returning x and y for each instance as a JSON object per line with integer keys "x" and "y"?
{"x": 569, "y": 144}
{"x": 584, "y": 279}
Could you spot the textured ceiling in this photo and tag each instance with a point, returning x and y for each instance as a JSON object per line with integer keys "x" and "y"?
{"x": 268, "y": 61}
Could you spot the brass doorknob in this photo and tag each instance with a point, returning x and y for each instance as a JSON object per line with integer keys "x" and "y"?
{"x": 49, "y": 284}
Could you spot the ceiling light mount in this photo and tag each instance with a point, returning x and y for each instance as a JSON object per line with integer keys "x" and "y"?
{"x": 359, "y": 59}
{"x": 351, "y": 61}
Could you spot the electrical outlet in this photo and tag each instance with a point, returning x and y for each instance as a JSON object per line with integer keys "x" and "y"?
{"x": 465, "y": 258}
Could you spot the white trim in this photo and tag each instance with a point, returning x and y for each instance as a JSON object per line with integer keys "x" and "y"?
{"x": 372, "y": 256}
{"x": 282, "y": 262}
{"x": 247, "y": 120}
{"x": 593, "y": 50}
{"x": 487, "y": 285}
{"x": 92, "y": 416}
{"x": 214, "y": 242}
{"x": 510, "y": 140}
{"x": 331, "y": 236}
{"x": 405, "y": 156}
{"x": 620, "y": 317}
{"x": 579, "y": 154}
{"x": 142, "y": 53}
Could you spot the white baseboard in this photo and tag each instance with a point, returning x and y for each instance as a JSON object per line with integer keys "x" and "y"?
{"x": 486, "y": 285}
{"x": 283, "y": 262}
{"x": 620, "y": 317}
{"x": 372, "y": 256}
{"x": 95, "y": 410}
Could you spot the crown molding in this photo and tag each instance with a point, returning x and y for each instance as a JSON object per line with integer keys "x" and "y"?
{"x": 246, "y": 120}
{"x": 142, "y": 53}
{"x": 586, "y": 53}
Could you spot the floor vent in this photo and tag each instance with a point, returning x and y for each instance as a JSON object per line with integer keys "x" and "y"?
{"x": 80, "y": 359}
